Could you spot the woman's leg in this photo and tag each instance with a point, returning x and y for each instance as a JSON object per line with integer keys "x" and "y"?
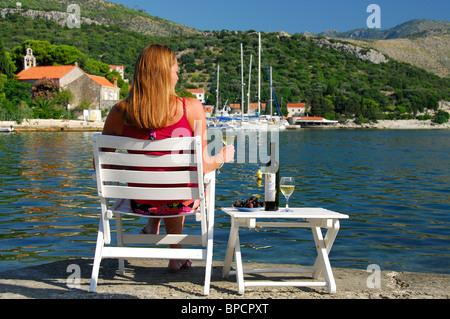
{"x": 152, "y": 226}
{"x": 174, "y": 225}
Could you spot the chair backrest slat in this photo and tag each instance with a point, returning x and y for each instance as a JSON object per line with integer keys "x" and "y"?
{"x": 143, "y": 177}
{"x": 142, "y": 160}
{"x": 126, "y": 143}
{"x": 129, "y": 175}
{"x": 151, "y": 193}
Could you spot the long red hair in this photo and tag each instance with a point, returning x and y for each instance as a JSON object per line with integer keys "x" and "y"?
{"x": 152, "y": 96}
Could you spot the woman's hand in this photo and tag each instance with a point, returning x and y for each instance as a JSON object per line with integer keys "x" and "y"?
{"x": 227, "y": 152}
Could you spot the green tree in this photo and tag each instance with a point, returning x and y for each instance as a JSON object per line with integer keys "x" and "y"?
{"x": 3, "y": 79}
{"x": 370, "y": 109}
{"x": 5, "y": 66}
{"x": 352, "y": 107}
{"x": 441, "y": 117}
{"x": 17, "y": 92}
{"x": 65, "y": 55}
{"x": 63, "y": 97}
{"x": 185, "y": 93}
{"x": 321, "y": 106}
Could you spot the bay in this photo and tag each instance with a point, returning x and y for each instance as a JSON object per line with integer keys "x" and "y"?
{"x": 394, "y": 185}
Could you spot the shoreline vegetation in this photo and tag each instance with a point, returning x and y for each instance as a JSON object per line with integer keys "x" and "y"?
{"x": 53, "y": 125}
{"x": 334, "y": 80}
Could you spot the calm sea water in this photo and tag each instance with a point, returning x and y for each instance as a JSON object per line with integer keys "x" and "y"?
{"x": 394, "y": 185}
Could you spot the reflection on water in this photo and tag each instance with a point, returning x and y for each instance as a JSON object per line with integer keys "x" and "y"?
{"x": 46, "y": 188}
{"x": 393, "y": 184}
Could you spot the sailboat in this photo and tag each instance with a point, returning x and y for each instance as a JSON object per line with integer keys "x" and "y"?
{"x": 259, "y": 122}
{"x": 222, "y": 118}
{"x": 225, "y": 120}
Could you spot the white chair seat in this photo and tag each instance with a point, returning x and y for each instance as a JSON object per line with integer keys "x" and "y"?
{"x": 122, "y": 206}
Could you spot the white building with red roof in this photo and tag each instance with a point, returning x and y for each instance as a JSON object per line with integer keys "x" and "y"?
{"x": 296, "y": 109}
{"x": 120, "y": 69}
{"x": 100, "y": 92}
{"x": 199, "y": 94}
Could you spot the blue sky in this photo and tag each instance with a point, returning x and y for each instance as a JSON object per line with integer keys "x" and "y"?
{"x": 289, "y": 15}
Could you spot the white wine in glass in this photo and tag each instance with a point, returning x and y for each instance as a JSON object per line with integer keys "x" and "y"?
{"x": 228, "y": 139}
{"x": 287, "y": 186}
{"x": 228, "y": 136}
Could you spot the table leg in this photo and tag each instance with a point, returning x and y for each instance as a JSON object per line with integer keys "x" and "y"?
{"x": 232, "y": 239}
{"x": 239, "y": 267}
{"x": 322, "y": 257}
{"x": 234, "y": 248}
{"x": 330, "y": 236}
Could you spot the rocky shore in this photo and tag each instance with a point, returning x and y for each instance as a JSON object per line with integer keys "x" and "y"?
{"x": 149, "y": 279}
{"x": 40, "y": 125}
{"x": 36, "y": 125}
{"x": 396, "y": 124}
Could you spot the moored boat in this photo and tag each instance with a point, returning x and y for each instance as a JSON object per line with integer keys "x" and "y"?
{"x": 6, "y": 129}
{"x": 314, "y": 121}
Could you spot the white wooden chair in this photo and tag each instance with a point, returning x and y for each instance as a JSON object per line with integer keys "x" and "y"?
{"x": 114, "y": 171}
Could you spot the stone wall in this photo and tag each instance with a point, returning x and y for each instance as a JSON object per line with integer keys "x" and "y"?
{"x": 84, "y": 88}
{"x": 70, "y": 76}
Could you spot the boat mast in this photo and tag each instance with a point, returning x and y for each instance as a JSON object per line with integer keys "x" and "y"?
{"x": 217, "y": 90}
{"x": 259, "y": 74}
{"x": 242, "y": 84}
{"x": 249, "y": 83}
{"x": 271, "y": 92}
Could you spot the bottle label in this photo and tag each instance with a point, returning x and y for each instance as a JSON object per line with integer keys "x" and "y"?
{"x": 270, "y": 187}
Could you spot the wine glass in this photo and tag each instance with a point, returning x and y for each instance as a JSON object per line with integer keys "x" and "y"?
{"x": 287, "y": 185}
{"x": 228, "y": 136}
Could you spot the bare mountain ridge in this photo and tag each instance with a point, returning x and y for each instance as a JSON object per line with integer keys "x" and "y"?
{"x": 430, "y": 53}
{"x": 410, "y": 29}
{"x": 420, "y": 42}
{"x": 97, "y": 12}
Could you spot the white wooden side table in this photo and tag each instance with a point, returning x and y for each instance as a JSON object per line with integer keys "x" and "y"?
{"x": 313, "y": 218}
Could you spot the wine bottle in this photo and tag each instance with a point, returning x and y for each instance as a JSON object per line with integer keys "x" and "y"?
{"x": 272, "y": 181}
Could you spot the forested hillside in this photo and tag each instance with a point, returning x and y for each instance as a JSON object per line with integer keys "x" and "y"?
{"x": 334, "y": 83}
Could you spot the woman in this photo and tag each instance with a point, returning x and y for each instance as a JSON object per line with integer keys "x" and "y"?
{"x": 153, "y": 111}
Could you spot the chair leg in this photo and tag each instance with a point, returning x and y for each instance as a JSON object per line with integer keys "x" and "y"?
{"x": 97, "y": 261}
{"x": 208, "y": 270}
{"x": 119, "y": 236}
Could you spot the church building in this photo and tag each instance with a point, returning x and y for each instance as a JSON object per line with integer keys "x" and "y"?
{"x": 100, "y": 92}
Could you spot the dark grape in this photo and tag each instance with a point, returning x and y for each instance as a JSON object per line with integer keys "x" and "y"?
{"x": 253, "y": 201}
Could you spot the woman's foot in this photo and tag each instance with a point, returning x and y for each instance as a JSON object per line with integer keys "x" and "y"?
{"x": 177, "y": 265}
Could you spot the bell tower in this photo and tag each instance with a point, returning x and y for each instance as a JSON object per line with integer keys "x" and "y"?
{"x": 29, "y": 60}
